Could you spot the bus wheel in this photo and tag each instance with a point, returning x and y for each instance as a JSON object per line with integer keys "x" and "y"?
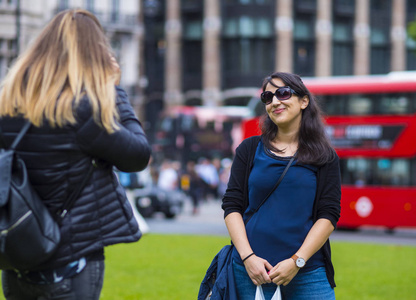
{"x": 389, "y": 230}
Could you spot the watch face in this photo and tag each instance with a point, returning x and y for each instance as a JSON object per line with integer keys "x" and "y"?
{"x": 300, "y": 262}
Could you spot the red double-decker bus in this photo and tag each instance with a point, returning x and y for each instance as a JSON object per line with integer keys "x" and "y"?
{"x": 371, "y": 121}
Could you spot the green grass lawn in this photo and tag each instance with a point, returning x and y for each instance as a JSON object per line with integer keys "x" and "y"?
{"x": 172, "y": 267}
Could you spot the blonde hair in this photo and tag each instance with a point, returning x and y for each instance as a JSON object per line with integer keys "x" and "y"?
{"x": 70, "y": 58}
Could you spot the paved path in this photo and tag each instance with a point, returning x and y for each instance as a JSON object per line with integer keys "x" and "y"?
{"x": 210, "y": 222}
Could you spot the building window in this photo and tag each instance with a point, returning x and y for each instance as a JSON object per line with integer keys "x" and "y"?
{"x": 247, "y": 2}
{"x": 8, "y": 2}
{"x": 192, "y": 46}
{"x": 115, "y": 12}
{"x": 343, "y": 40}
{"x": 305, "y": 5}
{"x": 380, "y": 22}
{"x": 63, "y": 4}
{"x": 410, "y": 54}
{"x": 248, "y": 49}
{"x": 410, "y": 43}
{"x": 344, "y": 7}
{"x": 8, "y": 52}
{"x": 191, "y": 5}
{"x": 89, "y": 5}
{"x": 304, "y": 41}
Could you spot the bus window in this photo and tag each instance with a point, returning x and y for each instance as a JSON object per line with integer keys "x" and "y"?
{"x": 412, "y": 176}
{"x": 333, "y": 105}
{"x": 385, "y": 104}
{"x": 360, "y": 105}
{"x": 400, "y": 171}
{"x": 376, "y": 172}
{"x": 393, "y": 104}
{"x": 382, "y": 172}
{"x": 393, "y": 172}
{"x": 357, "y": 171}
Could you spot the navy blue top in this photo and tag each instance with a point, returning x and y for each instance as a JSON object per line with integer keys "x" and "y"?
{"x": 280, "y": 227}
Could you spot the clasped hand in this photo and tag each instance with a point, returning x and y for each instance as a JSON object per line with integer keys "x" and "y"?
{"x": 261, "y": 271}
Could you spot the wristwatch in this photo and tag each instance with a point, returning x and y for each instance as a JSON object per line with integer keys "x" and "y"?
{"x": 299, "y": 261}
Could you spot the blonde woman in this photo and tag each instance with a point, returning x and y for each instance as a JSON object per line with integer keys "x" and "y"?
{"x": 65, "y": 85}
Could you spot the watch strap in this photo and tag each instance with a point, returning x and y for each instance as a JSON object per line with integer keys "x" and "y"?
{"x": 296, "y": 258}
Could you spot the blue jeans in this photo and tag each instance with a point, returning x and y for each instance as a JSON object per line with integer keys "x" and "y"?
{"x": 311, "y": 285}
{"x": 85, "y": 285}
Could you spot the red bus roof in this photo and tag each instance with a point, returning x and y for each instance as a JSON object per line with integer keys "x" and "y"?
{"x": 390, "y": 83}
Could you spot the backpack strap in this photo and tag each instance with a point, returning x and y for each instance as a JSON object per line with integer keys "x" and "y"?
{"x": 19, "y": 137}
{"x": 2, "y": 142}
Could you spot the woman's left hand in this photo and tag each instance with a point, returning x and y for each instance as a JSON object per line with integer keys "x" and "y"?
{"x": 283, "y": 272}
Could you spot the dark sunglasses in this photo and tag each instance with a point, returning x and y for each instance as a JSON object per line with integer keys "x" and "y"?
{"x": 282, "y": 93}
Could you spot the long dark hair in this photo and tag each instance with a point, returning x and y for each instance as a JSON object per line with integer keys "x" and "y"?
{"x": 314, "y": 146}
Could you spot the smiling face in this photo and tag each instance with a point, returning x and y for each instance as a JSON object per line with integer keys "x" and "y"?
{"x": 286, "y": 114}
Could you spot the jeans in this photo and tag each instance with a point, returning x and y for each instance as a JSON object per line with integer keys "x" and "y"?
{"x": 86, "y": 285}
{"x": 311, "y": 285}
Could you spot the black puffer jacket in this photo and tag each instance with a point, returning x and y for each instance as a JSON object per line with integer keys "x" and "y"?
{"x": 58, "y": 159}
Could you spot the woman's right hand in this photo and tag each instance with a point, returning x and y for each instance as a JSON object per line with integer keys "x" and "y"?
{"x": 258, "y": 268}
{"x": 117, "y": 69}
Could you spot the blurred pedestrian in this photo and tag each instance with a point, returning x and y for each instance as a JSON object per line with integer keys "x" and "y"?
{"x": 194, "y": 186}
{"x": 65, "y": 85}
{"x": 168, "y": 176}
{"x": 224, "y": 176}
{"x": 286, "y": 241}
{"x": 209, "y": 175}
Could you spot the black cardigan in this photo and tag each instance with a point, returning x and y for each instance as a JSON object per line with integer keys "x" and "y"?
{"x": 327, "y": 200}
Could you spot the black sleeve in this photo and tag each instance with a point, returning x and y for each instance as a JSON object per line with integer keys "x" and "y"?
{"x": 329, "y": 201}
{"x": 126, "y": 148}
{"x": 233, "y": 200}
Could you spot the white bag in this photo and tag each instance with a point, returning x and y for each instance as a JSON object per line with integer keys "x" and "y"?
{"x": 260, "y": 295}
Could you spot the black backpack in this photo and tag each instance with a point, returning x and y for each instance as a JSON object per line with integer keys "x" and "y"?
{"x": 29, "y": 235}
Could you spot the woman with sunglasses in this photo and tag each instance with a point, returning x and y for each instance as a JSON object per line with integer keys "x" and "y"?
{"x": 286, "y": 242}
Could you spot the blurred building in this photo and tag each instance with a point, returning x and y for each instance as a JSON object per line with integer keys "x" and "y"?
{"x": 216, "y": 52}
{"x": 22, "y": 20}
